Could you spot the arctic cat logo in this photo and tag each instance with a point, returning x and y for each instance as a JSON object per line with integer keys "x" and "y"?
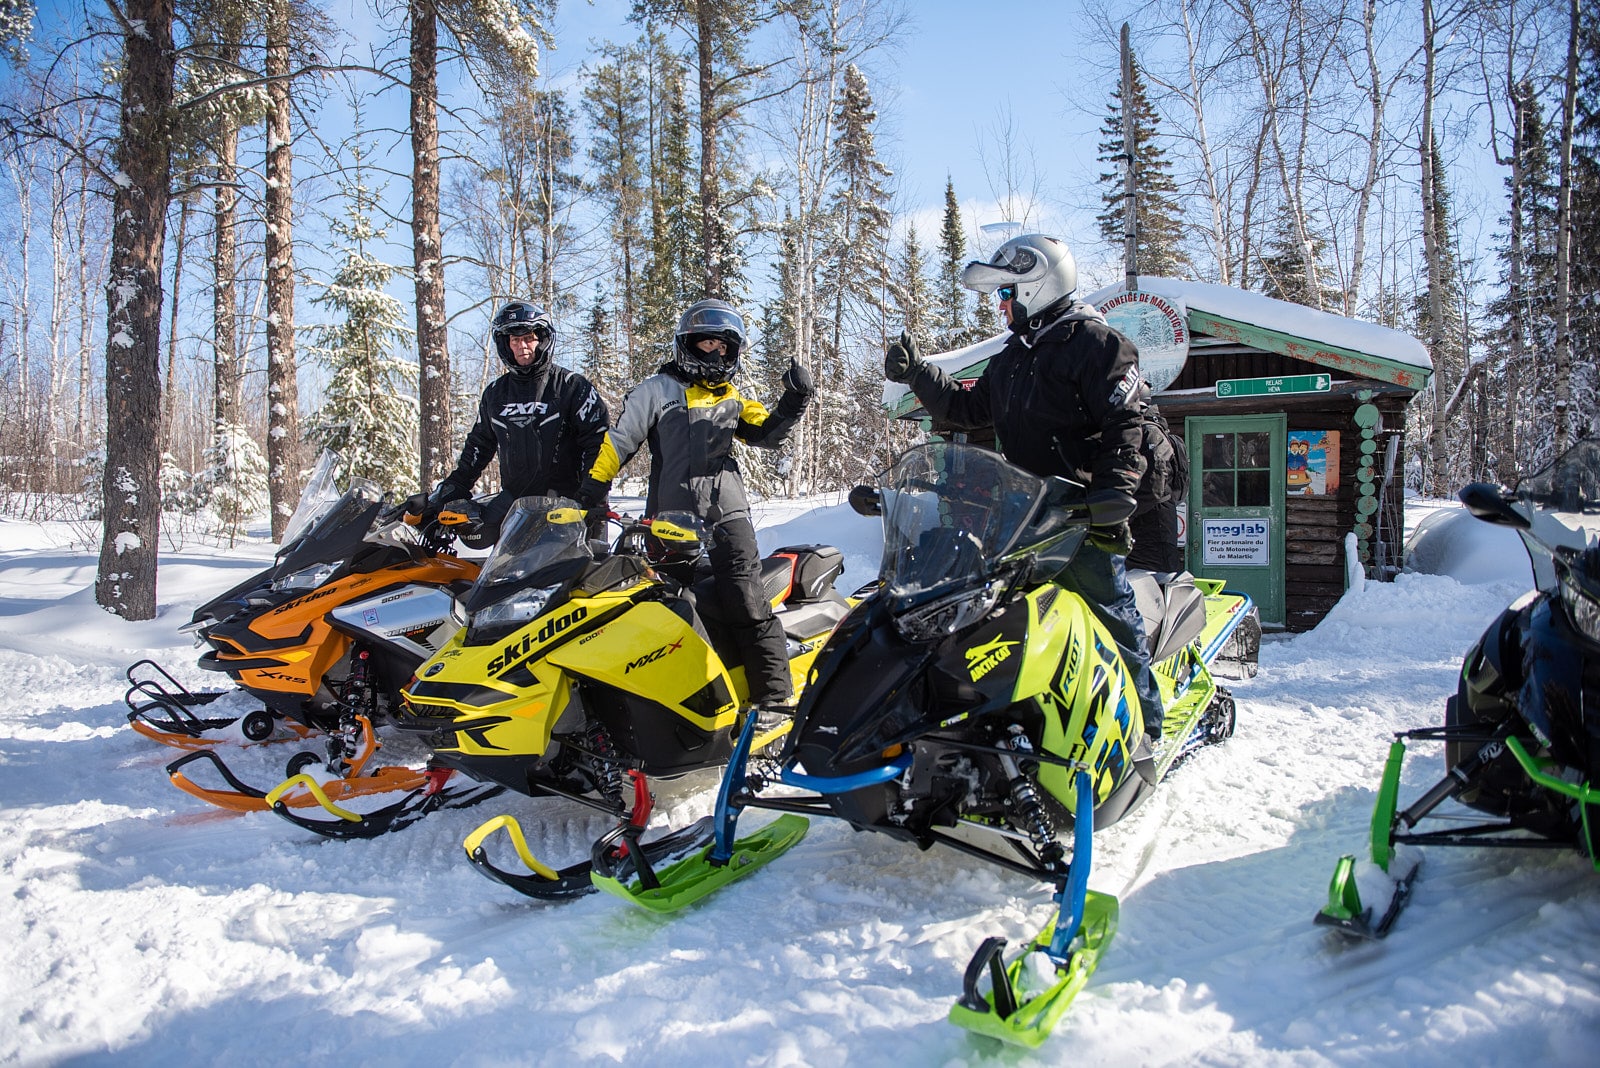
{"x": 982, "y": 659}
{"x": 654, "y": 655}
{"x": 516, "y": 650}
{"x": 522, "y": 413}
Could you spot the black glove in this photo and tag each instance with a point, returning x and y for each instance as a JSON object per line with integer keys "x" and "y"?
{"x": 1114, "y": 538}
{"x": 593, "y": 493}
{"x": 903, "y": 360}
{"x": 414, "y": 507}
{"x": 798, "y": 380}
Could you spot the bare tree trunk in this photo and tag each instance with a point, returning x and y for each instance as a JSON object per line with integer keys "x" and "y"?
{"x": 226, "y": 378}
{"x": 1375, "y": 148}
{"x": 1431, "y": 253}
{"x": 712, "y": 237}
{"x": 1563, "y": 303}
{"x": 126, "y": 579}
{"x": 1521, "y": 99}
{"x": 433, "y": 352}
{"x": 283, "y": 393}
{"x": 169, "y": 378}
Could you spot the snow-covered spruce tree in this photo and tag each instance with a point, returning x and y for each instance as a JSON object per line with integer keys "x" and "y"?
{"x": 909, "y": 288}
{"x": 853, "y": 284}
{"x": 1449, "y": 445}
{"x": 672, "y": 271}
{"x": 234, "y": 483}
{"x": 1159, "y": 243}
{"x": 1586, "y": 221}
{"x": 953, "y": 327}
{"x": 1283, "y": 266}
{"x": 368, "y": 414}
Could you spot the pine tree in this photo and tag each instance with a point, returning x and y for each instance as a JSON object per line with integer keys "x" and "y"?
{"x": 600, "y": 364}
{"x": 674, "y": 230}
{"x": 954, "y": 328}
{"x": 366, "y": 414}
{"x": 234, "y": 484}
{"x": 1159, "y": 243}
{"x": 1586, "y": 221}
{"x": 911, "y": 292}
{"x": 614, "y": 101}
{"x": 1284, "y": 268}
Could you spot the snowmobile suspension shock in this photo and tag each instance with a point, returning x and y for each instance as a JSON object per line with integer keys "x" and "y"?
{"x": 608, "y": 771}
{"x": 1025, "y": 802}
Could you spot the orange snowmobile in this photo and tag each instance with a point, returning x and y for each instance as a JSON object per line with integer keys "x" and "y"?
{"x": 324, "y": 638}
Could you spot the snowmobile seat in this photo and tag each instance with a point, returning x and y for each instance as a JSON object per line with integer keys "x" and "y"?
{"x": 815, "y": 568}
{"x": 1173, "y": 608}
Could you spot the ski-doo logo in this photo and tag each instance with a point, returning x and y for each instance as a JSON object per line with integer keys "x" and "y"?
{"x": 521, "y": 413}
{"x": 983, "y": 659}
{"x": 433, "y": 669}
{"x": 512, "y": 653}
{"x": 654, "y": 655}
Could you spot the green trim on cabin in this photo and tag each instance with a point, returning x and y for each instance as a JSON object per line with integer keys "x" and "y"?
{"x": 1362, "y": 364}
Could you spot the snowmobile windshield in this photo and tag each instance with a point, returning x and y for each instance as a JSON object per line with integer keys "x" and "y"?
{"x": 320, "y": 494}
{"x": 335, "y": 536}
{"x": 543, "y": 542}
{"x": 949, "y": 512}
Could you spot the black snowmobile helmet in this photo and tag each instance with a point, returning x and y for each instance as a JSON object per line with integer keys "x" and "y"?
{"x": 517, "y": 319}
{"x": 708, "y": 319}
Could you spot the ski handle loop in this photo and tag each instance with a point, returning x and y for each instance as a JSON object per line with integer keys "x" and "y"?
{"x": 175, "y": 771}
{"x": 275, "y": 797}
{"x": 990, "y": 955}
{"x": 1075, "y": 887}
{"x": 733, "y": 782}
{"x": 628, "y": 831}
{"x": 473, "y": 844}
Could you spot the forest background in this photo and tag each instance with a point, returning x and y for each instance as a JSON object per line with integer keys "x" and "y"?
{"x": 234, "y": 231}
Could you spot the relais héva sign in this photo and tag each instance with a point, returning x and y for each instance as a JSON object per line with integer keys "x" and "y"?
{"x": 1262, "y": 387}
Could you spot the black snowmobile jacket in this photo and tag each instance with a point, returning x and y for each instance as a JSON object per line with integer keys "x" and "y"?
{"x": 690, "y": 430}
{"x": 546, "y": 428}
{"x": 1064, "y": 399}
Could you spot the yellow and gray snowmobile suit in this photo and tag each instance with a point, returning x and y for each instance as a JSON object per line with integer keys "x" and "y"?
{"x": 690, "y": 429}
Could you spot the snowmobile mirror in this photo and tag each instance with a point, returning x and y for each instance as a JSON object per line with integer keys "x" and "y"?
{"x": 864, "y": 500}
{"x": 1063, "y": 494}
{"x": 1485, "y": 501}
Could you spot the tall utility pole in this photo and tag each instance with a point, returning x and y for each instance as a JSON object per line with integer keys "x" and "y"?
{"x": 1130, "y": 195}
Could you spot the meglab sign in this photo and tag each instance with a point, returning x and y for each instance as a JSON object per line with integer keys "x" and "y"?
{"x": 1237, "y": 542}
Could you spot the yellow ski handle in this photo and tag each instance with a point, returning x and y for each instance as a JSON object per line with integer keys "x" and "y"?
{"x": 316, "y": 791}
{"x": 513, "y": 829}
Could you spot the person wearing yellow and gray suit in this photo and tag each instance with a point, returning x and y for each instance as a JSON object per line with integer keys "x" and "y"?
{"x": 689, "y": 413}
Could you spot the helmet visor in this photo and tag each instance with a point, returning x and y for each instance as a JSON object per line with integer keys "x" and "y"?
{"x": 717, "y": 322}
{"x": 1024, "y": 266}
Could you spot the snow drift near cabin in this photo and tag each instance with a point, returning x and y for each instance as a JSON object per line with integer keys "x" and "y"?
{"x": 145, "y": 927}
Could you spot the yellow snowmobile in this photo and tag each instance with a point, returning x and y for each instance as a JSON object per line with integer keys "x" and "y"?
{"x": 582, "y": 665}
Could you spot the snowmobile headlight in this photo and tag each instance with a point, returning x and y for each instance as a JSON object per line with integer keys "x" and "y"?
{"x": 306, "y": 579}
{"x": 947, "y": 615}
{"x": 520, "y": 608}
{"x": 1583, "y": 608}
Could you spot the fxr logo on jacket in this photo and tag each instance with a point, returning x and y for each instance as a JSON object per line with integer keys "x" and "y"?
{"x": 521, "y": 413}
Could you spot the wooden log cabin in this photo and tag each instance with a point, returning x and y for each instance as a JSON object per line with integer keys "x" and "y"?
{"x": 1293, "y": 421}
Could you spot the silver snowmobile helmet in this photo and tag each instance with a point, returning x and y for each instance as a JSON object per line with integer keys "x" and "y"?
{"x": 518, "y": 319}
{"x": 708, "y": 319}
{"x": 1039, "y": 271}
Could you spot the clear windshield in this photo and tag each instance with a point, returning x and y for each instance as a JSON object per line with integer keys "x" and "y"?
{"x": 540, "y": 536}
{"x": 322, "y": 490}
{"x": 948, "y": 511}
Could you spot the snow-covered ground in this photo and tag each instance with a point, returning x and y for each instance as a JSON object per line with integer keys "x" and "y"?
{"x": 141, "y": 926}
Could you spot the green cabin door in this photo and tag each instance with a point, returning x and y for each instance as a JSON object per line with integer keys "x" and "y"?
{"x": 1236, "y": 505}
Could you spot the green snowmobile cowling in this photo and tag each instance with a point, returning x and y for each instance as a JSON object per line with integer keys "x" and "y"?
{"x": 968, "y": 700}
{"x": 1521, "y": 746}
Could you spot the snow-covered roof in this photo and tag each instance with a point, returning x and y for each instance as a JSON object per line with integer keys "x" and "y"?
{"x": 1214, "y": 302}
{"x": 1283, "y": 316}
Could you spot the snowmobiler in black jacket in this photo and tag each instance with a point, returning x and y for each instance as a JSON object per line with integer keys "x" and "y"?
{"x": 545, "y": 423}
{"x": 1065, "y": 397}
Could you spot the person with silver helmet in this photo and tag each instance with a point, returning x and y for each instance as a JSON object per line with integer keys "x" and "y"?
{"x": 544, "y": 422}
{"x": 690, "y": 413}
{"x": 1065, "y": 397}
